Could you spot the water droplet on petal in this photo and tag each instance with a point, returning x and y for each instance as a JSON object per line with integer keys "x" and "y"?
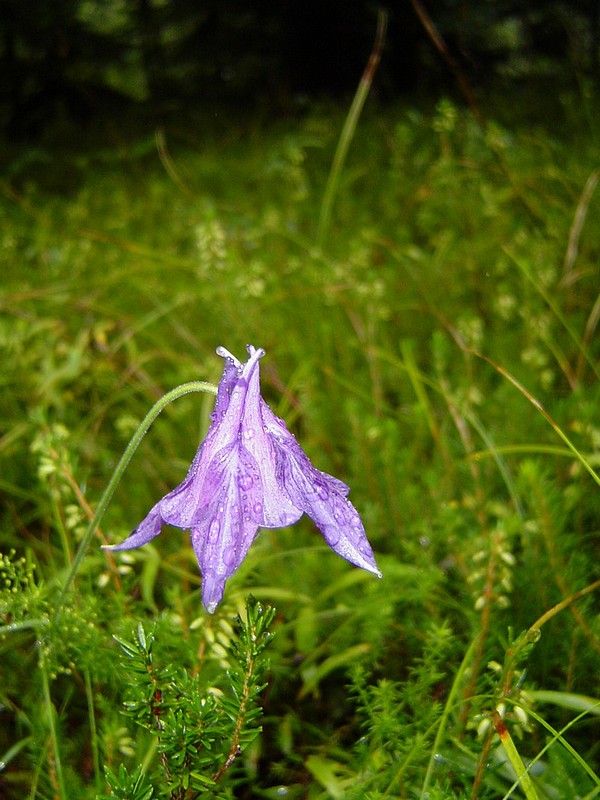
{"x": 322, "y": 491}
{"x": 214, "y": 530}
{"x": 229, "y": 556}
{"x": 257, "y": 508}
{"x": 333, "y": 536}
{"x": 245, "y": 482}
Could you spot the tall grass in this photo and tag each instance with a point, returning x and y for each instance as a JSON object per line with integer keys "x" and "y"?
{"x": 438, "y": 353}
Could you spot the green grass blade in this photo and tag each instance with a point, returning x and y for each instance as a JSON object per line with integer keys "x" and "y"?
{"x": 333, "y": 181}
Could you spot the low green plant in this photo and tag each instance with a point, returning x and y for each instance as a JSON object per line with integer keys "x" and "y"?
{"x": 199, "y": 729}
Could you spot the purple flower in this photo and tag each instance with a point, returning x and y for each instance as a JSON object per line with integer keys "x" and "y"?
{"x": 250, "y": 473}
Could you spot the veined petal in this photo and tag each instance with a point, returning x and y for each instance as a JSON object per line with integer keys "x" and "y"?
{"x": 226, "y": 384}
{"x": 278, "y": 508}
{"x": 147, "y": 530}
{"x": 185, "y": 505}
{"x": 277, "y": 430}
{"x": 222, "y": 538}
{"x": 187, "y": 502}
{"x": 319, "y": 496}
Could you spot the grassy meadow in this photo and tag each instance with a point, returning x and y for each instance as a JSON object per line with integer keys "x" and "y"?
{"x": 431, "y": 339}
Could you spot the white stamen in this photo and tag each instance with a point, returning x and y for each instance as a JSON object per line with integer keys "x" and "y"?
{"x": 221, "y": 351}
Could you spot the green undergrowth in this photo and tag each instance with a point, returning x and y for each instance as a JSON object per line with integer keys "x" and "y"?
{"x": 439, "y": 353}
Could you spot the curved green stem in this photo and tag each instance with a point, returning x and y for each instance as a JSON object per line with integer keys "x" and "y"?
{"x": 174, "y": 394}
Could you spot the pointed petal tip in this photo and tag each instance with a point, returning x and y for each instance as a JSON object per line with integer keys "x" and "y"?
{"x": 213, "y": 588}
{"x": 373, "y": 568}
{"x": 367, "y": 565}
{"x": 359, "y": 554}
{"x": 114, "y": 548}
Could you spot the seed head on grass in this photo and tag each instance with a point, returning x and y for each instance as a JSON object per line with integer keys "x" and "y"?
{"x": 250, "y": 473}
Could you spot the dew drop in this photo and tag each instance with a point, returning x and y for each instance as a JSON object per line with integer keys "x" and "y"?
{"x": 245, "y": 482}
{"x": 229, "y": 556}
{"x": 333, "y": 536}
{"x": 214, "y": 530}
{"x": 257, "y": 508}
{"x": 322, "y": 491}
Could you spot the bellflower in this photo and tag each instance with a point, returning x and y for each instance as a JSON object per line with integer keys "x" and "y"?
{"x": 250, "y": 473}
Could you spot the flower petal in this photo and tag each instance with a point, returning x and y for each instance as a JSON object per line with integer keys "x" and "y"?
{"x": 186, "y": 505}
{"x": 188, "y": 501}
{"x": 278, "y": 509}
{"x": 222, "y": 538}
{"x": 230, "y": 374}
{"x": 147, "y": 530}
{"x": 319, "y": 495}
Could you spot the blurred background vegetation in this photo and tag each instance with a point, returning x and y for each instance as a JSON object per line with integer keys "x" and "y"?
{"x": 164, "y": 166}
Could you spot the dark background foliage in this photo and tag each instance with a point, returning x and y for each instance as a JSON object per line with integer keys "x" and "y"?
{"x": 79, "y": 59}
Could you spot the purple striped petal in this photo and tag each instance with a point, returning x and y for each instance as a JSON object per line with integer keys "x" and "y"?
{"x": 322, "y": 497}
{"x": 147, "y": 530}
{"x": 221, "y": 540}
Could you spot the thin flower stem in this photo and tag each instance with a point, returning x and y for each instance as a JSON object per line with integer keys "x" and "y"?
{"x": 577, "y": 224}
{"x": 60, "y": 526}
{"x": 89, "y": 695}
{"x": 549, "y": 299}
{"x": 56, "y": 772}
{"x": 174, "y": 394}
{"x": 482, "y": 763}
{"x": 454, "y": 65}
